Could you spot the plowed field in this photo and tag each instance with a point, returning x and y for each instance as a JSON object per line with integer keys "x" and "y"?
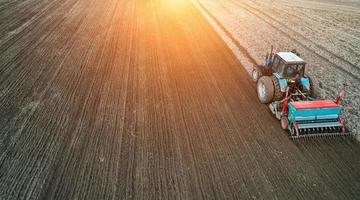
{"x": 143, "y": 100}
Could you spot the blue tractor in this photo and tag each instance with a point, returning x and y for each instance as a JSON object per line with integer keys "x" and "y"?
{"x": 293, "y": 97}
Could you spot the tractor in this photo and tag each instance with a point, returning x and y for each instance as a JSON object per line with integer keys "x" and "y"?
{"x": 293, "y": 96}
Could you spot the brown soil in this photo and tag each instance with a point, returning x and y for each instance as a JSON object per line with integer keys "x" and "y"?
{"x": 143, "y": 100}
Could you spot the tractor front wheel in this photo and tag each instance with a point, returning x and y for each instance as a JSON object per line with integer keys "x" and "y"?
{"x": 265, "y": 89}
{"x": 255, "y": 75}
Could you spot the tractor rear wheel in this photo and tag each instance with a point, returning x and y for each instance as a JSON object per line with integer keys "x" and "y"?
{"x": 278, "y": 95}
{"x": 315, "y": 91}
{"x": 265, "y": 89}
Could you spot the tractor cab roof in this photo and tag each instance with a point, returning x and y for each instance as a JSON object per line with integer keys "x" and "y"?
{"x": 290, "y": 58}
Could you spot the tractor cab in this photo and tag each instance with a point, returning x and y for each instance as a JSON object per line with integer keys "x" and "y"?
{"x": 288, "y": 65}
{"x": 289, "y": 69}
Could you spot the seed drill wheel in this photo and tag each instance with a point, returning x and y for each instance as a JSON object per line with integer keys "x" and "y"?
{"x": 294, "y": 132}
{"x": 284, "y": 123}
{"x": 265, "y": 89}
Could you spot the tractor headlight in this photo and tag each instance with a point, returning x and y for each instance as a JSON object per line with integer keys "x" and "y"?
{"x": 291, "y": 81}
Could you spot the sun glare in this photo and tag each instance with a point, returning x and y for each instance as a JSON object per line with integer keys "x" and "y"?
{"x": 176, "y": 4}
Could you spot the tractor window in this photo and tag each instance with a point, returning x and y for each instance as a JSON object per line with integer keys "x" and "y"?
{"x": 293, "y": 70}
{"x": 280, "y": 68}
{"x": 301, "y": 69}
{"x": 290, "y": 71}
{"x": 276, "y": 64}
